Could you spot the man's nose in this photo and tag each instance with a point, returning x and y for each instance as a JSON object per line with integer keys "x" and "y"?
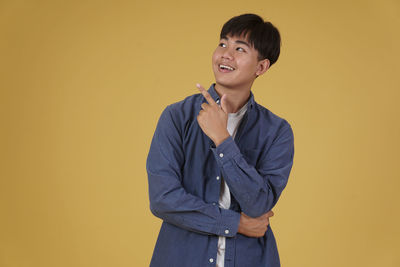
{"x": 228, "y": 54}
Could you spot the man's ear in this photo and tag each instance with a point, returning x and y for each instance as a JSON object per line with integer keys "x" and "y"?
{"x": 263, "y": 66}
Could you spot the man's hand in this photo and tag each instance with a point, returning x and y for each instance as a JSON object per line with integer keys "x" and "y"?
{"x": 213, "y": 119}
{"x": 254, "y": 227}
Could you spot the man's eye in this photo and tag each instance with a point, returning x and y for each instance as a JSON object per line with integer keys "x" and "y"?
{"x": 222, "y": 45}
{"x": 240, "y": 49}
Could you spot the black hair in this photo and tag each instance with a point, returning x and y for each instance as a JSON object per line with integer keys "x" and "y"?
{"x": 262, "y": 35}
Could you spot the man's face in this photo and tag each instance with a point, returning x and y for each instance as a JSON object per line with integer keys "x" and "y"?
{"x": 235, "y": 62}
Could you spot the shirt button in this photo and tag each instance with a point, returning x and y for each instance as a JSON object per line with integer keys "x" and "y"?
{"x": 214, "y": 203}
{"x": 211, "y": 260}
{"x": 221, "y": 155}
{"x": 217, "y": 178}
{"x": 227, "y": 231}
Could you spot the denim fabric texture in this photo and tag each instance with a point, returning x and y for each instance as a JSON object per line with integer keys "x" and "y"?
{"x": 184, "y": 169}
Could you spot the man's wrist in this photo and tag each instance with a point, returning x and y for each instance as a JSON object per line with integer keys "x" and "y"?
{"x": 221, "y": 139}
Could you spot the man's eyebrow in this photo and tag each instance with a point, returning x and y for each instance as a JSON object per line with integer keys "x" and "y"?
{"x": 237, "y": 41}
{"x": 242, "y": 42}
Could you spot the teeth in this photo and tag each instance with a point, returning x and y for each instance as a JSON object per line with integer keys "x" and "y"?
{"x": 225, "y": 67}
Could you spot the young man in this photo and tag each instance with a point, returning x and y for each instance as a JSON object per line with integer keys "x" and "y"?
{"x": 219, "y": 161}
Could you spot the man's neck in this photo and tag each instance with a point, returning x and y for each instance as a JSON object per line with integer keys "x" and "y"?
{"x": 236, "y": 98}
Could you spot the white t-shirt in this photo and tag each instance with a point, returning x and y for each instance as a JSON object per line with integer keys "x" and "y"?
{"x": 225, "y": 195}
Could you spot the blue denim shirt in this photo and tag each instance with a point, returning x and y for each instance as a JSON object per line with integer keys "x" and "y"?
{"x": 184, "y": 167}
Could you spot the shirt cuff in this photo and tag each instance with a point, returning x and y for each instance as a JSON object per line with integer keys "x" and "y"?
{"x": 229, "y": 224}
{"x": 226, "y": 151}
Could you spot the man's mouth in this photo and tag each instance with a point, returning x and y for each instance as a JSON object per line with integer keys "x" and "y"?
{"x": 225, "y": 68}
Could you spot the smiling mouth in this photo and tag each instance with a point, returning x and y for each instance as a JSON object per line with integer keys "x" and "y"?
{"x": 225, "y": 68}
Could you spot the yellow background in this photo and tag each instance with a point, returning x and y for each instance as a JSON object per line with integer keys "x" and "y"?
{"x": 83, "y": 84}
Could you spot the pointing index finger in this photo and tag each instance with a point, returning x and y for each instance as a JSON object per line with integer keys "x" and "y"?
{"x": 206, "y": 95}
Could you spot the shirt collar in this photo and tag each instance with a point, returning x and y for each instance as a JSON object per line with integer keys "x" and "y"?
{"x": 215, "y": 96}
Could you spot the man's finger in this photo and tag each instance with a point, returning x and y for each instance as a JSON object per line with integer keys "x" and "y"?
{"x": 223, "y": 103}
{"x": 268, "y": 214}
{"x": 206, "y": 95}
{"x": 204, "y": 106}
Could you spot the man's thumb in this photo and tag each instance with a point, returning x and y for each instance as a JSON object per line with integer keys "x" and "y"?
{"x": 224, "y": 104}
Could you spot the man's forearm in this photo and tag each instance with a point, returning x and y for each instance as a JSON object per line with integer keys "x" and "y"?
{"x": 256, "y": 190}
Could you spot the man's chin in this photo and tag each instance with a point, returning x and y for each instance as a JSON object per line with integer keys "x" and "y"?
{"x": 224, "y": 81}
{"x": 225, "y": 84}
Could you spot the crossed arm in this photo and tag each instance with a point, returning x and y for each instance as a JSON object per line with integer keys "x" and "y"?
{"x": 255, "y": 193}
